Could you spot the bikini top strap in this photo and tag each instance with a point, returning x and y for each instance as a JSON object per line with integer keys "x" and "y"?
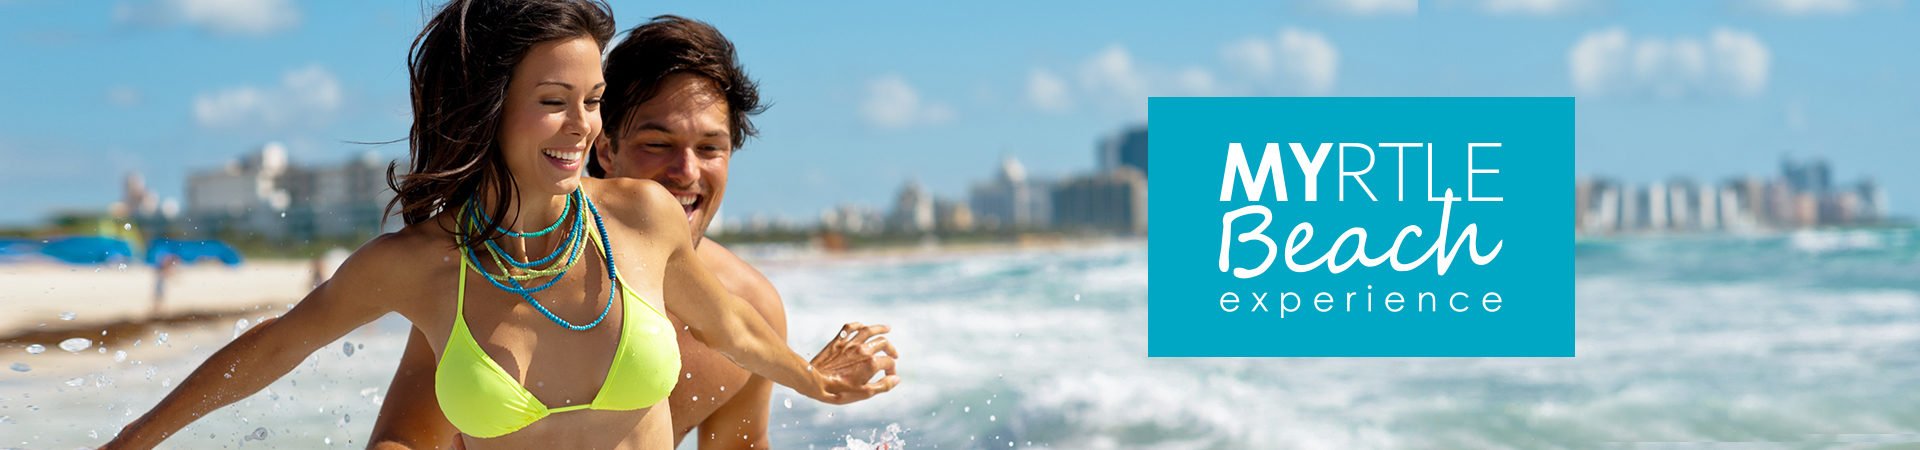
{"x": 460, "y": 296}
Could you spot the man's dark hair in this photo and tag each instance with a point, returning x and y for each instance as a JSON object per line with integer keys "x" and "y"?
{"x": 666, "y": 46}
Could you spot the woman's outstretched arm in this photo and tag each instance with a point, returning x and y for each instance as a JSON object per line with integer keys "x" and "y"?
{"x": 839, "y": 374}
{"x": 358, "y": 294}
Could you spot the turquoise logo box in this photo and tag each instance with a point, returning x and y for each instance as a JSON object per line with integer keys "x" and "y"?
{"x": 1371, "y": 227}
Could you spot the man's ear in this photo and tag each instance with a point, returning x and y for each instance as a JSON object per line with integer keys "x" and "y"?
{"x": 603, "y": 151}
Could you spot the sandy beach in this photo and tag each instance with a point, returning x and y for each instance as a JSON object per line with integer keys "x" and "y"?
{"x": 52, "y": 299}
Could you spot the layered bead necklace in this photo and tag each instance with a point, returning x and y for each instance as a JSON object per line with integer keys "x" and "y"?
{"x": 513, "y": 272}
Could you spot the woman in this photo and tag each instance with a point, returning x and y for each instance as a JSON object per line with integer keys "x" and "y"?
{"x": 540, "y": 290}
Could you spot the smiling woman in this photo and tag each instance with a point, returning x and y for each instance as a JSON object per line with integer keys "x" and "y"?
{"x": 572, "y": 349}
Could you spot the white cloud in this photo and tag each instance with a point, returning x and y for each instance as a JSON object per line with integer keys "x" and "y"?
{"x": 1304, "y": 61}
{"x": 1804, "y": 7}
{"x": 235, "y": 17}
{"x": 1374, "y": 7}
{"x": 304, "y": 96}
{"x": 1530, "y": 7}
{"x": 1047, "y": 92}
{"x": 1611, "y": 62}
{"x": 1310, "y": 58}
{"x": 893, "y": 103}
{"x": 1291, "y": 62}
{"x": 1194, "y": 81}
{"x": 1253, "y": 56}
{"x": 1112, "y": 71}
{"x": 1742, "y": 59}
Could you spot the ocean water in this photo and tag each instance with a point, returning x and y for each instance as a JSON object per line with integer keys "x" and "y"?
{"x": 1802, "y": 340}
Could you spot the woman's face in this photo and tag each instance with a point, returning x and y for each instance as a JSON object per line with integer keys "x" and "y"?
{"x": 552, "y": 114}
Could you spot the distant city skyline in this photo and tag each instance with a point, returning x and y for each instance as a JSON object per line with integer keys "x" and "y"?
{"x": 1802, "y": 194}
{"x": 904, "y": 92}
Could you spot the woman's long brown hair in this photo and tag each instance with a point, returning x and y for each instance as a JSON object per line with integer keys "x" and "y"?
{"x": 458, "y": 69}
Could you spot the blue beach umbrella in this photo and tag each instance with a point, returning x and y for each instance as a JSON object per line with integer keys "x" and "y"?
{"x": 191, "y": 251}
{"x": 87, "y": 250}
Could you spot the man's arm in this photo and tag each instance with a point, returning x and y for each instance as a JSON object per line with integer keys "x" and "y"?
{"x": 410, "y": 418}
{"x": 742, "y": 422}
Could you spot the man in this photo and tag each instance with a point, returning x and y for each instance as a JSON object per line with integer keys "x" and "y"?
{"x": 676, "y": 108}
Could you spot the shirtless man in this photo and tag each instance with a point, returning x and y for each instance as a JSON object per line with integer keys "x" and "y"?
{"x": 676, "y": 109}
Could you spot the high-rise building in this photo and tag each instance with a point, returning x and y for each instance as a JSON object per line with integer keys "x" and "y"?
{"x": 1113, "y": 201}
{"x": 1126, "y": 149}
{"x": 262, "y": 195}
{"x": 1010, "y": 199}
{"x": 245, "y": 196}
{"x": 912, "y": 210}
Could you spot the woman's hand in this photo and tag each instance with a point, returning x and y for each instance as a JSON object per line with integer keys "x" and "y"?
{"x": 851, "y": 359}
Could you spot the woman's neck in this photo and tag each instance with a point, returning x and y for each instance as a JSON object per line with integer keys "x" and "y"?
{"x": 527, "y": 212}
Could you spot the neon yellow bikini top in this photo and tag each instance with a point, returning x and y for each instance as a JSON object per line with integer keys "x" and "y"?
{"x": 483, "y": 401}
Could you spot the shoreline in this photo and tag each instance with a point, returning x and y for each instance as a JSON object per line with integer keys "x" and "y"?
{"x": 117, "y": 301}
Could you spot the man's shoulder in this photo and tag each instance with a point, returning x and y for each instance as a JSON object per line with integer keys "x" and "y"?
{"x": 744, "y": 280}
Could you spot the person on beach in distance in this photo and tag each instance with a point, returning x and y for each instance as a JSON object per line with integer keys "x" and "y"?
{"x": 678, "y": 106}
{"x": 505, "y": 97}
{"x": 162, "y": 271}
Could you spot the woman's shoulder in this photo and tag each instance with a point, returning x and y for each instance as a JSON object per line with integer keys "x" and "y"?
{"x": 637, "y": 202}
{"x": 411, "y": 252}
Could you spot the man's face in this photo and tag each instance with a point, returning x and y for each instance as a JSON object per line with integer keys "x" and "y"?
{"x": 680, "y": 138}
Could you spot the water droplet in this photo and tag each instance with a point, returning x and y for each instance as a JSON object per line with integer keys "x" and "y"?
{"x": 789, "y": 403}
{"x": 67, "y": 315}
{"x": 723, "y": 389}
{"x": 159, "y": 337}
{"x": 36, "y": 349}
{"x": 992, "y": 418}
{"x": 76, "y": 381}
{"x": 346, "y": 347}
{"x": 75, "y": 345}
{"x": 696, "y": 398}
{"x": 123, "y": 266}
{"x": 119, "y": 356}
{"x": 21, "y": 367}
{"x": 126, "y": 226}
{"x": 240, "y": 326}
{"x": 259, "y": 434}
{"x": 966, "y": 409}
{"x": 1076, "y": 297}
{"x": 328, "y": 441}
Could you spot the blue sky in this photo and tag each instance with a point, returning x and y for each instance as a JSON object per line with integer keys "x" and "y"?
{"x": 867, "y": 95}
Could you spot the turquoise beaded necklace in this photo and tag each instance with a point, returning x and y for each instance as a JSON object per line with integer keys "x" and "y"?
{"x": 513, "y": 285}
